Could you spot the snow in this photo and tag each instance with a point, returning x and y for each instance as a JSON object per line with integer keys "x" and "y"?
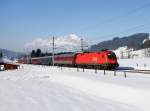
{"x": 145, "y": 40}
{"x": 136, "y": 63}
{"x": 126, "y": 53}
{"x": 45, "y": 88}
{"x": 120, "y": 50}
{"x": 136, "y": 59}
{"x": 7, "y": 61}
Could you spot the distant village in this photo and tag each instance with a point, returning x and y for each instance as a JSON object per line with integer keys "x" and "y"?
{"x": 6, "y": 64}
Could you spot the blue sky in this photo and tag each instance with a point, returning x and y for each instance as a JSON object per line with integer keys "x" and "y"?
{"x": 22, "y": 21}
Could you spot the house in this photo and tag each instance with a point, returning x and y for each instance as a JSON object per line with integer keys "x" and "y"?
{"x": 6, "y": 64}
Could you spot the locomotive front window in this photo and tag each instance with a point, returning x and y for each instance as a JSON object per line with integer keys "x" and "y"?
{"x": 112, "y": 56}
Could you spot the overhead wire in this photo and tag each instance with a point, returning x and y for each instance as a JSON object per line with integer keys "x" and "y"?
{"x": 121, "y": 16}
{"x": 129, "y": 29}
{"x": 133, "y": 28}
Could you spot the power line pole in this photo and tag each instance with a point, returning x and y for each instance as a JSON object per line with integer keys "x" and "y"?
{"x": 1, "y": 54}
{"x": 53, "y": 51}
{"x": 82, "y": 45}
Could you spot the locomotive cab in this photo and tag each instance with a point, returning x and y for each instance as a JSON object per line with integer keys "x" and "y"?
{"x": 112, "y": 59}
{"x": 111, "y": 55}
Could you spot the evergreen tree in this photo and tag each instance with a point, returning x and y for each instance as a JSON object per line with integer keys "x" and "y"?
{"x": 33, "y": 53}
{"x": 38, "y": 53}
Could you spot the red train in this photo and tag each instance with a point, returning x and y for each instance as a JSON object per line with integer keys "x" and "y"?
{"x": 36, "y": 60}
{"x": 100, "y": 60}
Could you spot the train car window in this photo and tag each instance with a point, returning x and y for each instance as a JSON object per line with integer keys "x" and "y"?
{"x": 112, "y": 56}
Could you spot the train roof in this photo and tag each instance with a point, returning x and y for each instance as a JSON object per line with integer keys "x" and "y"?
{"x": 61, "y": 53}
{"x": 41, "y": 57}
{"x": 67, "y": 54}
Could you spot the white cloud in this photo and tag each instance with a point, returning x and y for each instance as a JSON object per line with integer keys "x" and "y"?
{"x": 38, "y": 43}
{"x": 70, "y": 42}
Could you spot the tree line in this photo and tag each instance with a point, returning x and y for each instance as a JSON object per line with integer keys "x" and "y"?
{"x": 39, "y": 53}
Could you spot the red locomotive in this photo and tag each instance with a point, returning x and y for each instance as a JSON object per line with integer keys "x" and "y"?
{"x": 100, "y": 60}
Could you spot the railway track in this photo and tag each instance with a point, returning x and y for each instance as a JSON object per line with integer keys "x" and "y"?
{"x": 118, "y": 70}
{"x": 134, "y": 71}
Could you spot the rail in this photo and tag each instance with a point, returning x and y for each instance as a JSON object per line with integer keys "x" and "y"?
{"x": 114, "y": 72}
{"x": 135, "y": 71}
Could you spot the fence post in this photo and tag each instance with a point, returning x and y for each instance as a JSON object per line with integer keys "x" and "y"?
{"x": 125, "y": 74}
{"x": 137, "y": 64}
{"x": 114, "y": 73}
{"x": 104, "y": 72}
{"x": 61, "y": 67}
{"x": 77, "y": 69}
{"x": 144, "y": 64}
{"x": 95, "y": 71}
{"x": 83, "y": 69}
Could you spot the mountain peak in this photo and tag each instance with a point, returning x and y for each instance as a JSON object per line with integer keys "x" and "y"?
{"x": 133, "y": 41}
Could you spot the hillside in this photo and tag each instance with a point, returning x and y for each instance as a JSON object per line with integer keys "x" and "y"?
{"x": 10, "y": 54}
{"x": 133, "y": 41}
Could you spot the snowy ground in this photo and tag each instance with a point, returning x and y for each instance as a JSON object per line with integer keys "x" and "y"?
{"x": 38, "y": 88}
{"x": 136, "y": 63}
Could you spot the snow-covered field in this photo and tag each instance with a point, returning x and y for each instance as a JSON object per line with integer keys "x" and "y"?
{"x": 38, "y": 88}
{"x": 136, "y": 63}
{"x": 137, "y": 59}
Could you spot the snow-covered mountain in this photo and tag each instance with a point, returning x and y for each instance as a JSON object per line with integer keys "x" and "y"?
{"x": 10, "y": 54}
{"x": 132, "y": 41}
